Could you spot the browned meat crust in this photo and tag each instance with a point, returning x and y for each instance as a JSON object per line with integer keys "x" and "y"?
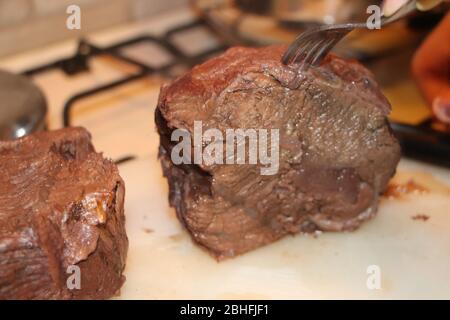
{"x": 61, "y": 205}
{"x": 337, "y": 152}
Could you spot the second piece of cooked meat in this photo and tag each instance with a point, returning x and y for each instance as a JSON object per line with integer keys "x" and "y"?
{"x": 336, "y": 155}
{"x": 62, "y": 225}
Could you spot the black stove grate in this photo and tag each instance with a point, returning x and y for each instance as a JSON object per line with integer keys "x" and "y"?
{"x": 79, "y": 62}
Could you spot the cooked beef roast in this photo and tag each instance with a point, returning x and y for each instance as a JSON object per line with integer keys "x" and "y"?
{"x": 61, "y": 205}
{"x": 337, "y": 152}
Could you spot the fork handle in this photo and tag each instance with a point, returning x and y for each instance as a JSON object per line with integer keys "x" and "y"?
{"x": 406, "y": 9}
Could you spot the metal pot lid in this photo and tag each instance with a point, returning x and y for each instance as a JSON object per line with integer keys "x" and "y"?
{"x": 22, "y": 106}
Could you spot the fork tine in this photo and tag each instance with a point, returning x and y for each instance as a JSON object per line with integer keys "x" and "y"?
{"x": 300, "y": 43}
{"x": 306, "y": 46}
{"x": 332, "y": 39}
{"x": 312, "y": 45}
{"x": 322, "y": 52}
{"x": 318, "y": 46}
{"x": 303, "y": 50}
{"x": 327, "y": 47}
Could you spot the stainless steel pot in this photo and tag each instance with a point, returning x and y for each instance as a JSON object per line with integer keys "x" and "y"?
{"x": 23, "y": 107}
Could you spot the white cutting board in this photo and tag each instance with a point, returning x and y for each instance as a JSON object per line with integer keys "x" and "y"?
{"x": 413, "y": 255}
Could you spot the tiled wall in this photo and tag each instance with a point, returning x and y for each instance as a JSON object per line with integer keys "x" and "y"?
{"x": 26, "y": 24}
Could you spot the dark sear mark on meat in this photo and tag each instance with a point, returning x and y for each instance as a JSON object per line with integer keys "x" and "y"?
{"x": 61, "y": 205}
{"x": 337, "y": 152}
{"x": 421, "y": 217}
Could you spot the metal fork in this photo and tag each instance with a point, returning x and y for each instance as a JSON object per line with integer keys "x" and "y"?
{"x": 313, "y": 45}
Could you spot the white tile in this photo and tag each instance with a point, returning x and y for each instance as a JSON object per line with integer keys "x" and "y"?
{"x": 39, "y": 31}
{"x": 13, "y": 12}
{"x": 46, "y": 7}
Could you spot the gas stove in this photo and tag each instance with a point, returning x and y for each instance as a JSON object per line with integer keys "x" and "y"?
{"x": 78, "y": 77}
{"x": 111, "y": 86}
